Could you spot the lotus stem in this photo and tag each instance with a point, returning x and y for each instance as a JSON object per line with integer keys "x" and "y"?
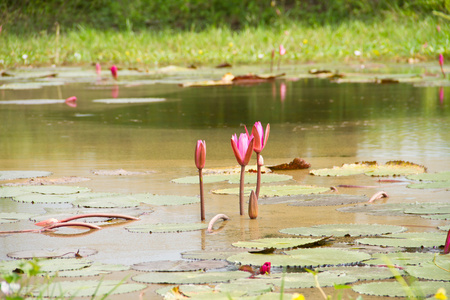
{"x": 258, "y": 174}
{"x": 213, "y": 220}
{"x": 378, "y": 196}
{"x": 99, "y": 215}
{"x": 202, "y": 201}
{"x": 91, "y": 226}
{"x": 241, "y": 192}
{"x": 334, "y": 189}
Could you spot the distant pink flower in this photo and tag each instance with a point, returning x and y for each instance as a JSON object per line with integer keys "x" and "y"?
{"x": 441, "y": 94}
{"x": 438, "y": 28}
{"x": 265, "y": 268}
{"x": 282, "y": 51}
{"x": 98, "y": 69}
{"x": 441, "y": 59}
{"x": 114, "y": 72}
{"x": 283, "y": 91}
{"x": 71, "y": 101}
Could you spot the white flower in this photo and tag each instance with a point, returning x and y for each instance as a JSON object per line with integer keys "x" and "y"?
{"x": 260, "y": 56}
{"x": 25, "y": 56}
{"x": 77, "y": 55}
{"x": 357, "y": 52}
{"x": 10, "y": 288}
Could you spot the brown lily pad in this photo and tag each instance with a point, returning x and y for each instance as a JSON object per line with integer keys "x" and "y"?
{"x": 296, "y": 164}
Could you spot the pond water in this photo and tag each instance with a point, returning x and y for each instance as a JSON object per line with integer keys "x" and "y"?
{"x": 323, "y": 122}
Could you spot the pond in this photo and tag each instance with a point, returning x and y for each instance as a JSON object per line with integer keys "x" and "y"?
{"x": 324, "y": 122}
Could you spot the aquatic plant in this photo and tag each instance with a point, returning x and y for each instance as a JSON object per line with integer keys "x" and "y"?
{"x": 447, "y": 243}
{"x": 259, "y": 144}
{"x": 253, "y": 205}
{"x": 114, "y": 72}
{"x": 441, "y": 63}
{"x": 200, "y": 157}
{"x": 243, "y": 149}
{"x": 265, "y": 268}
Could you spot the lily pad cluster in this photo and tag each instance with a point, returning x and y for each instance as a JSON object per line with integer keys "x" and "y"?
{"x": 431, "y": 180}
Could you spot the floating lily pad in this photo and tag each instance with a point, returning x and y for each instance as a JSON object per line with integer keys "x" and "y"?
{"x": 49, "y": 181}
{"x": 36, "y": 198}
{"x": 430, "y": 185}
{"x": 167, "y": 227}
{"x": 436, "y": 217}
{"x": 302, "y": 258}
{"x": 389, "y": 209}
{"x": 119, "y": 172}
{"x": 244, "y": 287}
{"x": 52, "y": 253}
{"x": 408, "y": 239}
{"x": 361, "y": 273}
{"x": 87, "y": 288}
{"x": 276, "y": 190}
{"x": 234, "y": 178}
{"x": 395, "y": 289}
{"x": 178, "y": 265}
{"x": 106, "y": 200}
{"x": 95, "y": 269}
{"x": 214, "y": 255}
{"x": 12, "y": 191}
{"x": 129, "y": 100}
{"x": 432, "y": 271}
{"x": 13, "y": 217}
{"x": 444, "y": 228}
{"x": 391, "y": 168}
{"x": 189, "y": 290}
{"x": 314, "y": 200}
{"x": 277, "y": 243}
{"x": 306, "y": 280}
{"x": 165, "y": 200}
{"x": 190, "y": 277}
{"x": 437, "y": 209}
{"x": 10, "y": 175}
{"x": 28, "y": 85}
{"x": 340, "y": 230}
{"x": 48, "y": 265}
{"x": 401, "y": 259}
{"x": 441, "y": 176}
{"x": 33, "y": 101}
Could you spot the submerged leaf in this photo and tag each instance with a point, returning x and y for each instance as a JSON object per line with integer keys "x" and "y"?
{"x": 277, "y": 190}
{"x": 167, "y": 227}
{"x": 340, "y": 230}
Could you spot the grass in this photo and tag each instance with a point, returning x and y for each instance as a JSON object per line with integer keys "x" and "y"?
{"x": 396, "y": 39}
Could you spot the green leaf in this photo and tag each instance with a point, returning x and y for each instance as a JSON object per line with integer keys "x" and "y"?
{"x": 48, "y": 265}
{"x": 189, "y": 290}
{"x": 306, "y": 280}
{"x": 11, "y": 217}
{"x": 250, "y": 178}
{"x": 430, "y": 185}
{"x": 10, "y": 175}
{"x": 314, "y": 200}
{"x": 277, "y": 243}
{"x": 106, "y": 200}
{"x": 395, "y": 289}
{"x": 407, "y": 239}
{"x": 402, "y": 259}
{"x": 391, "y": 168}
{"x": 432, "y": 271}
{"x": 189, "y": 277}
{"x": 214, "y": 255}
{"x": 441, "y": 176}
{"x": 361, "y": 273}
{"x": 95, "y": 269}
{"x": 245, "y": 287}
{"x": 166, "y": 227}
{"x": 276, "y": 190}
{"x": 178, "y": 265}
{"x": 340, "y": 230}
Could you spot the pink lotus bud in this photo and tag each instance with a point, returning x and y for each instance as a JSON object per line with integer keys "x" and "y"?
{"x": 98, "y": 69}
{"x": 114, "y": 71}
{"x": 282, "y": 50}
{"x": 441, "y": 59}
{"x": 71, "y": 101}
{"x": 265, "y": 268}
{"x": 200, "y": 154}
{"x": 283, "y": 91}
{"x": 47, "y": 222}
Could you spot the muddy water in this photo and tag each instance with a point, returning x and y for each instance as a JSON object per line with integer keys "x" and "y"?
{"x": 325, "y": 123}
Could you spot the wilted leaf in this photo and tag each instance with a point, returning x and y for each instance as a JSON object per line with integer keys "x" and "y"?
{"x": 178, "y": 265}
{"x": 189, "y": 277}
{"x": 167, "y": 227}
{"x": 296, "y": 164}
{"x": 340, "y": 230}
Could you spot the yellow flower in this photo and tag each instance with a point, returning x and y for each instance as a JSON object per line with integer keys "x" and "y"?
{"x": 305, "y": 41}
{"x": 230, "y": 44}
{"x": 127, "y": 53}
{"x": 298, "y": 297}
{"x": 200, "y": 52}
{"x": 441, "y": 294}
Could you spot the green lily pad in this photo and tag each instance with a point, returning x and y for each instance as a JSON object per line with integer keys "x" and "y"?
{"x": 244, "y": 287}
{"x": 189, "y": 277}
{"x": 166, "y": 227}
{"x": 95, "y": 269}
{"x": 391, "y": 168}
{"x": 443, "y": 208}
{"x": 395, "y": 289}
{"x": 401, "y": 259}
{"x": 12, "y": 217}
{"x": 52, "y": 253}
{"x": 36, "y": 198}
{"x": 189, "y": 290}
{"x": 430, "y": 185}
{"x": 361, "y": 273}
{"x": 276, "y": 190}
{"x": 340, "y": 230}
{"x": 47, "y": 265}
{"x": 87, "y": 288}
{"x": 12, "y": 191}
{"x": 432, "y": 271}
{"x": 10, "y": 175}
{"x": 408, "y": 239}
{"x": 128, "y": 100}
{"x": 29, "y": 85}
{"x": 387, "y": 209}
{"x": 444, "y": 228}
{"x": 249, "y": 178}
{"x": 314, "y": 200}
{"x": 106, "y": 200}
{"x": 306, "y": 280}
{"x": 165, "y": 200}
{"x": 441, "y": 176}
{"x": 178, "y": 265}
{"x": 302, "y": 258}
{"x": 214, "y": 255}
{"x": 436, "y": 217}
{"x": 277, "y": 243}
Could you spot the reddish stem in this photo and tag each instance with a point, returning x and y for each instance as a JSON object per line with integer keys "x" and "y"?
{"x": 99, "y": 215}
{"x": 202, "y": 201}
{"x": 241, "y": 192}
{"x": 91, "y": 226}
{"x": 258, "y": 175}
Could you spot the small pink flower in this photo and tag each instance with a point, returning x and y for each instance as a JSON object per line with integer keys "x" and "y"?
{"x": 47, "y": 222}
{"x": 282, "y": 50}
{"x": 283, "y": 91}
{"x": 98, "y": 69}
{"x": 71, "y": 101}
{"x": 265, "y": 268}
{"x": 114, "y": 71}
{"x": 200, "y": 154}
{"x": 441, "y": 59}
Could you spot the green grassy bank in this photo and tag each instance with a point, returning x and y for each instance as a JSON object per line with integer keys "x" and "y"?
{"x": 394, "y": 38}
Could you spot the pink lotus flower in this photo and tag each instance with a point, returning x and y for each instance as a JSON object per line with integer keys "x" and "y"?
{"x": 265, "y": 268}
{"x": 200, "y": 154}
{"x": 71, "y": 101}
{"x": 114, "y": 71}
{"x": 98, "y": 69}
{"x": 441, "y": 59}
{"x": 242, "y": 148}
{"x": 447, "y": 243}
{"x": 282, "y": 50}
{"x": 260, "y": 139}
{"x": 47, "y": 222}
